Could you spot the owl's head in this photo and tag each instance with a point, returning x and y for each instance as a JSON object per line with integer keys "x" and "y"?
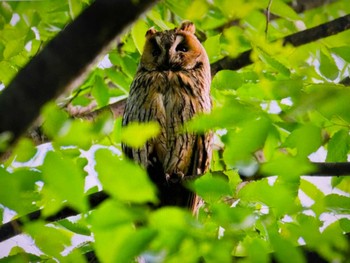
{"x": 173, "y": 50}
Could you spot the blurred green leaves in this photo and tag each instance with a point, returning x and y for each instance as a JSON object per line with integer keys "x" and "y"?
{"x": 273, "y": 114}
{"x": 65, "y": 180}
{"x": 120, "y": 178}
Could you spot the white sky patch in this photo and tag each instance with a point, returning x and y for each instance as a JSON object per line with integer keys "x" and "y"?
{"x": 287, "y": 101}
{"x": 272, "y": 107}
{"x": 15, "y": 19}
{"x": 36, "y": 32}
{"x": 105, "y": 63}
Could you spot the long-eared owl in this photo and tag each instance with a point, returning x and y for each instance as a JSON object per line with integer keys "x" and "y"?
{"x": 172, "y": 84}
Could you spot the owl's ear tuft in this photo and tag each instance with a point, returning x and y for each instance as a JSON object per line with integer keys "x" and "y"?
{"x": 150, "y": 32}
{"x": 188, "y": 26}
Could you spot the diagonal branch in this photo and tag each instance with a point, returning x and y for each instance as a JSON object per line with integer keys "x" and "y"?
{"x": 300, "y": 38}
{"x": 63, "y": 61}
{"x": 13, "y": 228}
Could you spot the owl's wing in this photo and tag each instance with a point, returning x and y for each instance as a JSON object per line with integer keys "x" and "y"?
{"x": 144, "y": 104}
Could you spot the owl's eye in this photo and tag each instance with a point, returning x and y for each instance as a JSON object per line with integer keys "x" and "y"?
{"x": 182, "y": 47}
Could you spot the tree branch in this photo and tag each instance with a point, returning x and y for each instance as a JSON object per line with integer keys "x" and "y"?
{"x": 63, "y": 61}
{"x": 322, "y": 170}
{"x": 13, "y": 228}
{"x": 300, "y": 38}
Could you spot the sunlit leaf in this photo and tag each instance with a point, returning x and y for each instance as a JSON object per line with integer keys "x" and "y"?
{"x": 305, "y": 139}
{"x": 52, "y": 244}
{"x": 63, "y": 177}
{"x": 249, "y": 138}
{"x": 337, "y": 203}
{"x": 227, "y": 79}
{"x": 100, "y": 92}
{"x": 19, "y": 190}
{"x": 75, "y": 7}
{"x": 262, "y": 192}
{"x": 25, "y": 150}
{"x": 138, "y": 33}
{"x": 282, "y": 9}
{"x": 211, "y": 188}
{"x": 133, "y": 137}
{"x": 212, "y": 46}
{"x": 328, "y": 68}
{"x": 285, "y": 251}
{"x": 343, "y": 52}
{"x": 197, "y": 9}
{"x": 274, "y": 63}
{"x": 120, "y": 178}
{"x": 113, "y": 220}
{"x": 338, "y": 147}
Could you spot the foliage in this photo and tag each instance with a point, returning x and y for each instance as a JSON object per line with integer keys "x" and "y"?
{"x": 285, "y": 106}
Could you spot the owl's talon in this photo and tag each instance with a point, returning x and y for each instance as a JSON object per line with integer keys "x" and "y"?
{"x": 174, "y": 177}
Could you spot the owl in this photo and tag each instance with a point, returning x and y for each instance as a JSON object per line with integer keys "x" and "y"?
{"x": 171, "y": 86}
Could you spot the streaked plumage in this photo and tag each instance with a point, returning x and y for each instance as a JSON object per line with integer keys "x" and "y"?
{"x": 172, "y": 85}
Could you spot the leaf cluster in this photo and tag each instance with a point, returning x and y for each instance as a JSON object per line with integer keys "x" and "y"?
{"x": 280, "y": 111}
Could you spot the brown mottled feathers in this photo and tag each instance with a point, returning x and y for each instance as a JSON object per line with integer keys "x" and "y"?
{"x": 172, "y": 85}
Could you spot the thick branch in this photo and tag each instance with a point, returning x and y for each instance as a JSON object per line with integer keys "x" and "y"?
{"x": 321, "y": 170}
{"x": 13, "y": 228}
{"x": 303, "y": 37}
{"x": 63, "y": 60}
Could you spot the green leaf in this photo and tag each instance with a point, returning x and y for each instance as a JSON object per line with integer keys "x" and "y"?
{"x": 287, "y": 166}
{"x": 327, "y": 67}
{"x": 337, "y": 203}
{"x": 257, "y": 250}
{"x": 77, "y": 228}
{"x": 212, "y": 188}
{"x": 262, "y": 192}
{"x": 138, "y": 33}
{"x": 231, "y": 217}
{"x": 75, "y": 7}
{"x": 13, "y": 48}
{"x": 343, "y": 52}
{"x": 63, "y": 177}
{"x": 311, "y": 190}
{"x": 345, "y": 224}
{"x": 241, "y": 144}
{"x": 55, "y": 120}
{"x": 197, "y": 10}
{"x": 49, "y": 239}
{"x": 282, "y": 9}
{"x": 342, "y": 183}
{"x": 120, "y": 178}
{"x": 213, "y": 48}
{"x": 227, "y": 79}
{"x": 305, "y": 139}
{"x": 285, "y": 251}
{"x": 100, "y": 92}
{"x": 19, "y": 190}
{"x": 7, "y": 72}
{"x": 24, "y": 150}
{"x": 111, "y": 220}
{"x": 268, "y": 59}
{"x": 174, "y": 222}
{"x": 132, "y": 136}
{"x": 338, "y": 147}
